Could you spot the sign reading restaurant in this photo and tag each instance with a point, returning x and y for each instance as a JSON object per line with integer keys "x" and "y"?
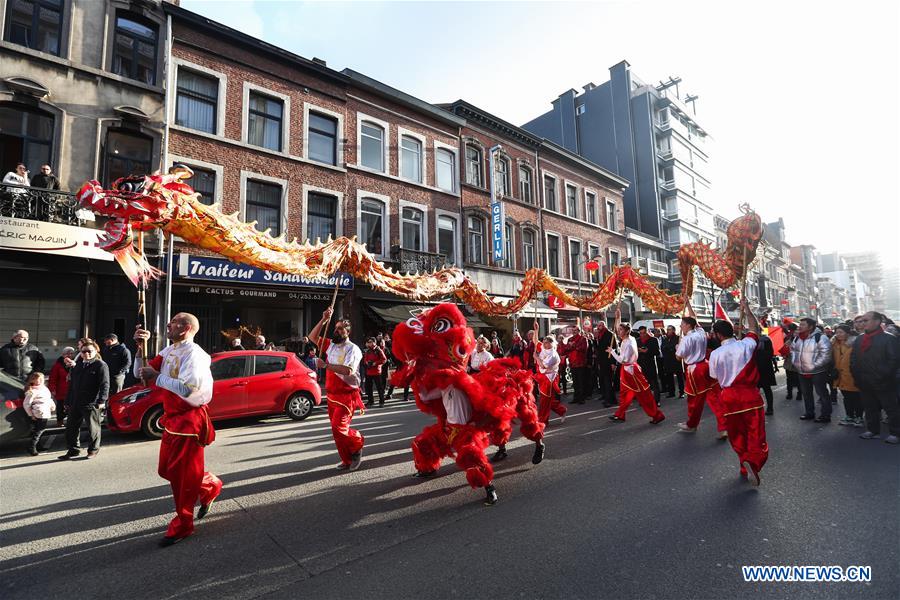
{"x": 50, "y": 238}
{"x": 219, "y": 269}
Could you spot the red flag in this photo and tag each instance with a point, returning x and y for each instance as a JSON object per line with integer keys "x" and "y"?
{"x": 776, "y": 334}
{"x": 720, "y": 313}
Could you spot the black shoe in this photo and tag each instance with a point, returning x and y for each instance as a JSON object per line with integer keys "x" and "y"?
{"x": 538, "y": 455}
{"x": 205, "y": 508}
{"x": 658, "y": 420}
{"x": 381, "y": 404}
{"x": 770, "y": 412}
{"x": 355, "y": 459}
{"x": 822, "y": 420}
{"x": 33, "y": 451}
{"x": 492, "y": 497}
{"x": 681, "y": 395}
{"x": 342, "y": 467}
{"x": 789, "y": 397}
{"x": 607, "y": 404}
{"x": 670, "y": 395}
{"x": 424, "y": 474}
{"x": 369, "y": 404}
{"x": 807, "y": 417}
{"x": 69, "y": 455}
{"x": 499, "y": 455}
{"x": 170, "y": 541}
{"x": 616, "y": 419}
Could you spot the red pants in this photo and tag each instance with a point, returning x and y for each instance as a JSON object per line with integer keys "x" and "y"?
{"x": 747, "y": 434}
{"x": 645, "y": 399}
{"x": 181, "y": 462}
{"x": 466, "y": 442}
{"x": 695, "y": 408}
{"x": 549, "y": 392}
{"x": 348, "y": 441}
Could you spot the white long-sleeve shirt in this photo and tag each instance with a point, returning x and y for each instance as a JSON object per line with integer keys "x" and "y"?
{"x": 456, "y": 403}
{"x": 627, "y": 353}
{"x": 548, "y": 363}
{"x": 730, "y": 359}
{"x": 692, "y": 347}
{"x": 479, "y": 359}
{"x": 185, "y": 371}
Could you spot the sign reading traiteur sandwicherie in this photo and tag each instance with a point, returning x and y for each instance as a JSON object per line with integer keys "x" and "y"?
{"x": 219, "y": 269}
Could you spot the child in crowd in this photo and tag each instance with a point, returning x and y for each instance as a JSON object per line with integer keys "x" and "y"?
{"x": 39, "y": 406}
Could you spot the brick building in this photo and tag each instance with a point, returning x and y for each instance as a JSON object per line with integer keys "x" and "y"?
{"x": 559, "y": 210}
{"x": 307, "y": 152}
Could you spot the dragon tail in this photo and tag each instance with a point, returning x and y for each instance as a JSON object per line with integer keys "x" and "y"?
{"x": 135, "y": 265}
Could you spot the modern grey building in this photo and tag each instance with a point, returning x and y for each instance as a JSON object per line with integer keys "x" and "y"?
{"x": 649, "y": 135}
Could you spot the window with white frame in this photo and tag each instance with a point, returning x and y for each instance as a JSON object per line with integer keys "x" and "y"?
{"x": 473, "y": 166}
{"x": 594, "y": 255}
{"x": 610, "y": 215}
{"x": 196, "y": 101}
{"x": 476, "y": 239}
{"x": 263, "y": 205}
{"x": 590, "y": 204}
{"x": 265, "y": 115}
{"x": 528, "y": 248}
{"x": 614, "y": 258}
{"x": 549, "y": 193}
{"x": 553, "y": 255}
{"x": 371, "y": 225}
{"x": 321, "y": 216}
{"x": 322, "y": 138}
{"x": 502, "y": 177}
{"x": 412, "y": 229}
{"x": 572, "y": 201}
{"x": 411, "y": 158}
{"x": 525, "y": 192}
{"x": 447, "y": 238}
{"x": 509, "y": 262}
{"x": 575, "y": 260}
{"x": 445, "y": 169}
{"x": 371, "y": 153}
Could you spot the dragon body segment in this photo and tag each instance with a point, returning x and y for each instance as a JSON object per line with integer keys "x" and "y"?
{"x": 166, "y": 202}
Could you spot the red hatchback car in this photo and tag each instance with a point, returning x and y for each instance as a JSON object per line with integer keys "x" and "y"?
{"x": 245, "y": 383}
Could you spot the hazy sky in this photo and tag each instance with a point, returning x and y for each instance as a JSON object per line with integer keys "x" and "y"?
{"x": 800, "y": 97}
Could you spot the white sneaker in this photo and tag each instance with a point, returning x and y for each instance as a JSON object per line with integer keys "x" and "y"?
{"x": 892, "y": 439}
{"x": 723, "y": 435}
{"x": 562, "y": 419}
{"x": 683, "y": 428}
{"x": 752, "y": 477}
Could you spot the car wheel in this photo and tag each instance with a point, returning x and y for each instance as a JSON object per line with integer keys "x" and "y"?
{"x": 299, "y": 406}
{"x": 151, "y": 425}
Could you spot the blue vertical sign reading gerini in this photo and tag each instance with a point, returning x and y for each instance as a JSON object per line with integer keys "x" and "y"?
{"x": 498, "y": 231}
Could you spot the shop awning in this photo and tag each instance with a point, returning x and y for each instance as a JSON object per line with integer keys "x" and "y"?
{"x": 399, "y": 313}
{"x": 539, "y": 309}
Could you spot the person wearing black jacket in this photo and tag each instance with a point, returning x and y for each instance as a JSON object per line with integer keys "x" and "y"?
{"x": 603, "y": 364}
{"x": 19, "y": 358}
{"x": 673, "y": 367}
{"x": 873, "y": 363}
{"x": 766, "y": 368}
{"x": 648, "y": 350}
{"x": 88, "y": 392}
{"x": 118, "y": 360}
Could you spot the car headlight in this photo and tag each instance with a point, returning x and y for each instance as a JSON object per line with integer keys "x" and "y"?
{"x": 132, "y": 398}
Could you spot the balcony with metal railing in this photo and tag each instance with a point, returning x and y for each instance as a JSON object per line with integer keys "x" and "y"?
{"x": 653, "y": 268}
{"x": 39, "y": 204}
{"x": 412, "y": 261}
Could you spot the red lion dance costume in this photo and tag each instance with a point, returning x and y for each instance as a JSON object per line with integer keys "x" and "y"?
{"x": 471, "y": 410}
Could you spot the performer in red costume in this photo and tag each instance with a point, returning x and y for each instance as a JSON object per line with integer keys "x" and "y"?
{"x": 470, "y": 409}
{"x": 547, "y": 361}
{"x": 342, "y": 358}
{"x": 700, "y": 387}
{"x": 632, "y": 382}
{"x": 180, "y": 376}
{"x": 733, "y": 365}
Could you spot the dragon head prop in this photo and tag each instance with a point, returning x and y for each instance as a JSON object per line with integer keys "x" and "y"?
{"x": 438, "y": 338}
{"x": 139, "y": 202}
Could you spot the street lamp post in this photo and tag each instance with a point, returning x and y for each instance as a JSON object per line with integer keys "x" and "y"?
{"x": 590, "y": 264}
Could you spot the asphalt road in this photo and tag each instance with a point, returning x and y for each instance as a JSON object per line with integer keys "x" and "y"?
{"x": 625, "y": 510}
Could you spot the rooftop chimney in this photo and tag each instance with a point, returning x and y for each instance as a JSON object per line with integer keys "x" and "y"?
{"x": 319, "y": 61}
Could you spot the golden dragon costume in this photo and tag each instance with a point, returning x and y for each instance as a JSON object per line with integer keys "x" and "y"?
{"x": 167, "y": 203}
